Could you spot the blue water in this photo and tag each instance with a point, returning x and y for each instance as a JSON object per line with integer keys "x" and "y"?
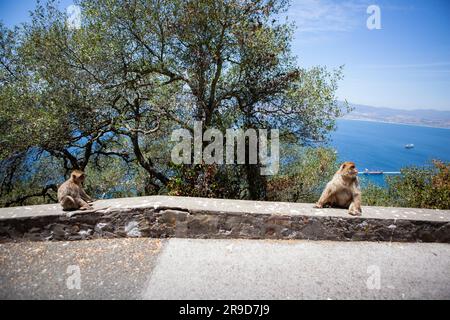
{"x": 381, "y": 146}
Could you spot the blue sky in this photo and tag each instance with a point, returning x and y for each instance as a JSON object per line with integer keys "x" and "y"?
{"x": 405, "y": 64}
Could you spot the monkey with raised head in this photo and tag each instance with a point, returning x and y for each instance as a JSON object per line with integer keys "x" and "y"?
{"x": 343, "y": 190}
{"x": 71, "y": 194}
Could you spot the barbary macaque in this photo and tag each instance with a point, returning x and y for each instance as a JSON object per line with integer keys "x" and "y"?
{"x": 71, "y": 194}
{"x": 343, "y": 190}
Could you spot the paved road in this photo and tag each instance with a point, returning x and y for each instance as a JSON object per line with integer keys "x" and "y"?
{"x": 223, "y": 269}
{"x": 108, "y": 269}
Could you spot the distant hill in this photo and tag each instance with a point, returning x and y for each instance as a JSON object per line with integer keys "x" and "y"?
{"x": 425, "y": 117}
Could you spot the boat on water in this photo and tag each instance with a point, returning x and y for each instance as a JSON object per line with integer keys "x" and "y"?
{"x": 367, "y": 172}
{"x": 409, "y": 146}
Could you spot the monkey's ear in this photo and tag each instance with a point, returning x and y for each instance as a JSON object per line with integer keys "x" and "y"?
{"x": 343, "y": 165}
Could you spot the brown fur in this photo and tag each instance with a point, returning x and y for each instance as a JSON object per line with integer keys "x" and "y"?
{"x": 343, "y": 190}
{"x": 71, "y": 194}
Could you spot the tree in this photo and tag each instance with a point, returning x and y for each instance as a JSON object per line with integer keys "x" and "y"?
{"x": 232, "y": 63}
{"x": 137, "y": 69}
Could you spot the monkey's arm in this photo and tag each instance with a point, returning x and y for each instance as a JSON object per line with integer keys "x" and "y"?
{"x": 85, "y": 196}
{"x": 355, "y": 206}
{"x": 325, "y": 197}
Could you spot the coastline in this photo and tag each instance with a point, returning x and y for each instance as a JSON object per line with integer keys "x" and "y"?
{"x": 399, "y": 123}
{"x": 381, "y": 148}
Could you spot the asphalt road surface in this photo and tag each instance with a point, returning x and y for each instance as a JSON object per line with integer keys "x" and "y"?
{"x": 223, "y": 269}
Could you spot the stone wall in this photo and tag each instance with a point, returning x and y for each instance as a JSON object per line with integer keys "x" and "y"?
{"x": 163, "y": 217}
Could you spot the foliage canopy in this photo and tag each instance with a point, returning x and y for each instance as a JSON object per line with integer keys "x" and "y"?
{"x": 104, "y": 97}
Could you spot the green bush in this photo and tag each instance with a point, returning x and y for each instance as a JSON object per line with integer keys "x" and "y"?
{"x": 206, "y": 181}
{"x": 304, "y": 177}
{"x": 416, "y": 187}
{"x": 373, "y": 195}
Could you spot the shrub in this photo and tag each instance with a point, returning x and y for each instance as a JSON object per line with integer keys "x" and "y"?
{"x": 304, "y": 177}
{"x": 416, "y": 187}
{"x": 208, "y": 181}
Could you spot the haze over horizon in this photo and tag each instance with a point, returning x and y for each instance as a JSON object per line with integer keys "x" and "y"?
{"x": 404, "y": 65}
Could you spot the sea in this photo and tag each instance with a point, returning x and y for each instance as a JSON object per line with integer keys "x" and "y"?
{"x": 379, "y": 146}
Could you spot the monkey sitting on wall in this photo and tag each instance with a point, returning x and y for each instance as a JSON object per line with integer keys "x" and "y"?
{"x": 71, "y": 194}
{"x": 343, "y": 190}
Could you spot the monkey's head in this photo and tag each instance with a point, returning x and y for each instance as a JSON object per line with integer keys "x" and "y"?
{"x": 78, "y": 177}
{"x": 348, "y": 169}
